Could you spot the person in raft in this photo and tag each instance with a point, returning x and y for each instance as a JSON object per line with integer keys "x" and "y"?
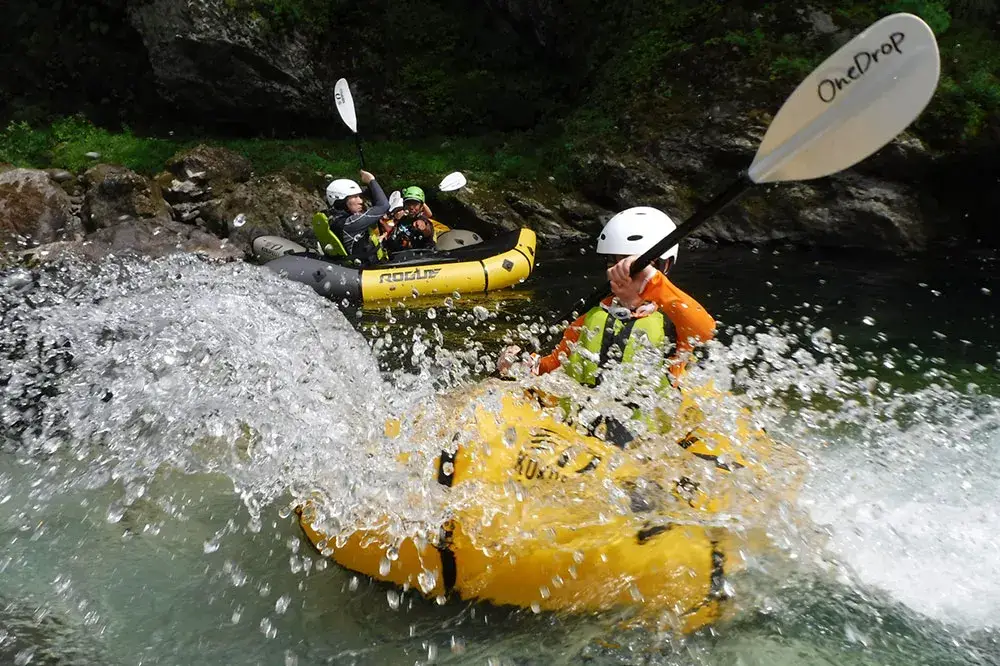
{"x": 356, "y": 229}
{"x": 414, "y": 229}
{"x": 632, "y": 315}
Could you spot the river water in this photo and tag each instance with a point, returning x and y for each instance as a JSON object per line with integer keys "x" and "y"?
{"x": 159, "y": 419}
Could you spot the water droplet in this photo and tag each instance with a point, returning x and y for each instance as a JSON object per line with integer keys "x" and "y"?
{"x": 544, "y": 592}
{"x": 449, "y": 302}
{"x": 432, "y": 313}
{"x": 383, "y": 566}
{"x": 536, "y": 607}
{"x": 267, "y": 628}
{"x": 868, "y": 321}
{"x": 291, "y": 659}
{"x": 237, "y": 615}
{"x": 392, "y": 596}
{"x": 239, "y": 220}
{"x": 115, "y": 513}
{"x": 510, "y": 436}
{"x": 281, "y": 605}
{"x": 24, "y": 657}
{"x": 426, "y": 580}
{"x": 392, "y": 554}
{"x": 636, "y": 593}
{"x": 481, "y": 313}
{"x": 353, "y": 585}
{"x": 432, "y": 652}
{"x": 822, "y": 339}
{"x": 986, "y": 291}
{"x": 211, "y": 545}
{"x": 448, "y": 468}
{"x": 457, "y": 645}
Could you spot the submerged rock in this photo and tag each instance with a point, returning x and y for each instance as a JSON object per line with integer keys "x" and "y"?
{"x": 33, "y": 209}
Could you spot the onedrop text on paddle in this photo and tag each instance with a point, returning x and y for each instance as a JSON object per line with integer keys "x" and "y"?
{"x": 828, "y": 88}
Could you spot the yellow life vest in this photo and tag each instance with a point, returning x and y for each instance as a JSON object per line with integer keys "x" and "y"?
{"x": 605, "y": 338}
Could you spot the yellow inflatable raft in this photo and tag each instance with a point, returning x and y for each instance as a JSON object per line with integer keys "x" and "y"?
{"x": 497, "y": 263}
{"x": 546, "y": 518}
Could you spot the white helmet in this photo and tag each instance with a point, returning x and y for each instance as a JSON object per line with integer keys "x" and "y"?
{"x": 634, "y": 231}
{"x": 340, "y": 189}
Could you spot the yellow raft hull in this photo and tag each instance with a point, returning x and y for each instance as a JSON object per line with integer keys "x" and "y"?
{"x": 542, "y": 534}
{"x": 498, "y": 271}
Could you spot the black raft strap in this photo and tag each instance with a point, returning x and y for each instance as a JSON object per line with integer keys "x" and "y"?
{"x": 609, "y": 339}
{"x": 449, "y": 566}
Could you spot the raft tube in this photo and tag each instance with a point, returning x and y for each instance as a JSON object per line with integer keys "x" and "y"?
{"x": 515, "y": 548}
{"x": 494, "y": 264}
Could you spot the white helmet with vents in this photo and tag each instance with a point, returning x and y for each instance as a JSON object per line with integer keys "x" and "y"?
{"x": 340, "y": 189}
{"x": 633, "y": 231}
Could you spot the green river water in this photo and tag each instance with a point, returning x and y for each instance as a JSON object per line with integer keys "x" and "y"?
{"x": 139, "y": 526}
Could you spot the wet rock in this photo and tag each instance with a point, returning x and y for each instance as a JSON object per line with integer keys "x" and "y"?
{"x": 33, "y": 209}
{"x": 211, "y": 166}
{"x": 116, "y": 194}
{"x": 479, "y": 209}
{"x": 214, "y": 58}
{"x": 271, "y": 206}
{"x": 585, "y": 217}
{"x": 616, "y": 184}
{"x": 544, "y": 221}
{"x": 150, "y": 238}
{"x": 59, "y": 175}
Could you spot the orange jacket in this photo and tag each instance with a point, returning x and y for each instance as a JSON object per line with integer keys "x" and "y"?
{"x": 692, "y": 322}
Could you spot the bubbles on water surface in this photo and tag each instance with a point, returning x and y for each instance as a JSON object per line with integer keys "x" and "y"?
{"x": 227, "y": 371}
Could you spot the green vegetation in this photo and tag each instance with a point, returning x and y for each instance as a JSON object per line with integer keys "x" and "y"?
{"x": 65, "y": 143}
{"x": 654, "y": 62}
{"x": 525, "y": 92}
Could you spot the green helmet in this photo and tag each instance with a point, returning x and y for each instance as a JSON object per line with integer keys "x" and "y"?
{"x": 414, "y": 193}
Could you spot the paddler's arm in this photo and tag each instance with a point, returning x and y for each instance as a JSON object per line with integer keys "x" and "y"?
{"x": 691, "y": 321}
{"x": 541, "y": 365}
{"x": 380, "y": 202}
{"x": 546, "y": 364}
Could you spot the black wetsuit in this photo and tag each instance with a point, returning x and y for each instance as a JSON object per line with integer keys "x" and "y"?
{"x": 354, "y": 231}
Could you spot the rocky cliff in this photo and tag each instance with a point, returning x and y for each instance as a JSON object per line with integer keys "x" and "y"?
{"x": 657, "y": 102}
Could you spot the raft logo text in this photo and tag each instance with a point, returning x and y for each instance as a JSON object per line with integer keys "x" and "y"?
{"x": 828, "y": 88}
{"x": 409, "y": 276}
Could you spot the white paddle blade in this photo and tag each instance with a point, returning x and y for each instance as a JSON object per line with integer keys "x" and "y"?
{"x": 453, "y": 181}
{"x": 345, "y": 105}
{"x": 857, "y": 101}
{"x": 395, "y": 200}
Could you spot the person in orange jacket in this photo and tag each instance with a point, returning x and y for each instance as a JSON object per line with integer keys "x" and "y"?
{"x": 633, "y": 314}
{"x": 632, "y": 317}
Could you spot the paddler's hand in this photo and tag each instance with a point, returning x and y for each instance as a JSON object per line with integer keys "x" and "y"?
{"x": 366, "y": 177}
{"x": 423, "y": 226}
{"x": 628, "y": 289}
{"x": 508, "y": 357}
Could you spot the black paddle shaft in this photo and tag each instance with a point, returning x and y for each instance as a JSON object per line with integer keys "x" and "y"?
{"x": 361, "y": 153}
{"x": 735, "y": 190}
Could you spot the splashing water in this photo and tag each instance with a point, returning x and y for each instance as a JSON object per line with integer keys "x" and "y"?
{"x": 147, "y": 388}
